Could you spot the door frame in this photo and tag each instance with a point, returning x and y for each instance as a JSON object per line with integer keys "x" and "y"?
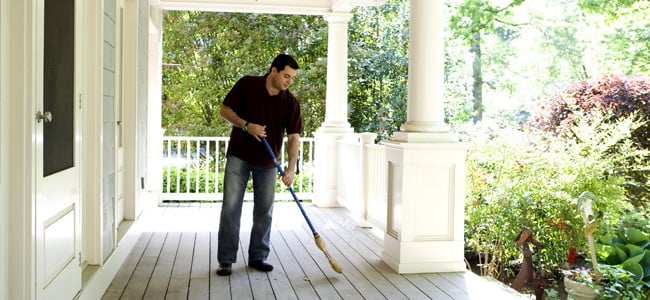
{"x": 20, "y": 54}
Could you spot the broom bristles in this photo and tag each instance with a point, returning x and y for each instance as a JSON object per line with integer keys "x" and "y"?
{"x": 321, "y": 245}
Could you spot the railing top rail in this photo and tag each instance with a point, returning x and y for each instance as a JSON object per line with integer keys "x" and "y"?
{"x": 223, "y": 138}
{"x": 194, "y": 138}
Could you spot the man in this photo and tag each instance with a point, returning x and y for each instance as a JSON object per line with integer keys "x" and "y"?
{"x": 257, "y": 106}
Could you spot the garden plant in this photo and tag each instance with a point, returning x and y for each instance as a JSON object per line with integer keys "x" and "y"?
{"x": 533, "y": 177}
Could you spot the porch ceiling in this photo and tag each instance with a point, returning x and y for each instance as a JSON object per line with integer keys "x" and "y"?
{"x": 310, "y": 7}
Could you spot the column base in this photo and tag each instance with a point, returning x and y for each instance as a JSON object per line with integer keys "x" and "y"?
{"x": 425, "y": 137}
{"x": 426, "y": 198}
{"x": 423, "y": 257}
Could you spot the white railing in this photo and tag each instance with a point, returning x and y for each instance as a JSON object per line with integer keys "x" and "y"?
{"x": 361, "y": 166}
{"x": 362, "y": 179}
{"x": 192, "y": 169}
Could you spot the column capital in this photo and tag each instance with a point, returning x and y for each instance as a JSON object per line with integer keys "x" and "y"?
{"x": 349, "y": 5}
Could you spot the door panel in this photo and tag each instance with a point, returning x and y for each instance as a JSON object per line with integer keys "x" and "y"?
{"x": 58, "y": 270}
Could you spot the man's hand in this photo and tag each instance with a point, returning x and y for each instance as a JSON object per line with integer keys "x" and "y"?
{"x": 288, "y": 177}
{"x": 256, "y": 130}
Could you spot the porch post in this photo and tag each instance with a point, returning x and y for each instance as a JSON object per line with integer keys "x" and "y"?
{"x": 336, "y": 125}
{"x": 154, "y": 106}
{"x": 426, "y": 163}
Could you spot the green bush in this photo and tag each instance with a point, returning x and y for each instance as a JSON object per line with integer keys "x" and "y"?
{"x": 533, "y": 179}
{"x": 619, "y": 96}
{"x": 179, "y": 175}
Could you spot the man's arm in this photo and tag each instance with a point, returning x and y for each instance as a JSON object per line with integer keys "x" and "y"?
{"x": 293, "y": 145}
{"x": 231, "y": 116}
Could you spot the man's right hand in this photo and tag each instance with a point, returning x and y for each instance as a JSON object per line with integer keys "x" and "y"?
{"x": 256, "y": 130}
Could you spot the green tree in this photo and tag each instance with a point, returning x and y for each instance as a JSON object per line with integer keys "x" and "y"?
{"x": 471, "y": 20}
{"x": 205, "y": 53}
{"x": 378, "y": 68}
{"x": 627, "y": 35}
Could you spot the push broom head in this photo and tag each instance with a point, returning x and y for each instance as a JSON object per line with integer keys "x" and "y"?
{"x": 321, "y": 245}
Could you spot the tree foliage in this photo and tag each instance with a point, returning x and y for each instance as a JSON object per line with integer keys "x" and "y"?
{"x": 470, "y": 21}
{"x": 378, "y": 68}
{"x": 522, "y": 50}
{"x": 628, "y": 33}
{"x": 205, "y": 53}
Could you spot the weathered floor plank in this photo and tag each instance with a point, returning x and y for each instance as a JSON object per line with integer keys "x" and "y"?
{"x": 176, "y": 258}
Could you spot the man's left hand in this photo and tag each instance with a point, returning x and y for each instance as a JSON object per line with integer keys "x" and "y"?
{"x": 288, "y": 177}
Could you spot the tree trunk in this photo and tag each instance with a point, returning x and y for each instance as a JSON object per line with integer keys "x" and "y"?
{"x": 477, "y": 74}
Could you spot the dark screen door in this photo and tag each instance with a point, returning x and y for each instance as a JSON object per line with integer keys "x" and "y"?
{"x": 58, "y": 86}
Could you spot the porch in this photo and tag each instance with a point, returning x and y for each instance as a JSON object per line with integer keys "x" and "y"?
{"x": 175, "y": 258}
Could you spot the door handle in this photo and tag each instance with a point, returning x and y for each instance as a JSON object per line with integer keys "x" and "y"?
{"x": 46, "y": 117}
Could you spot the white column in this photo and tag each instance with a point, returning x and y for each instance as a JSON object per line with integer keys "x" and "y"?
{"x": 154, "y": 106}
{"x": 425, "y": 115}
{"x": 336, "y": 124}
{"x": 426, "y": 163}
{"x": 336, "y": 101}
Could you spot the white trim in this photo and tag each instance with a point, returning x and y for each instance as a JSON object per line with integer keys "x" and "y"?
{"x": 20, "y": 185}
{"x": 4, "y": 124}
{"x": 96, "y": 286}
{"x": 312, "y": 7}
{"x": 130, "y": 92}
{"x": 92, "y": 111}
{"x": 291, "y": 7}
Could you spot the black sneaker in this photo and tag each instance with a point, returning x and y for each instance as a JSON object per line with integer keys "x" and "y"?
{"x": 224, "y": 269}
{"x": 260, "y": 265}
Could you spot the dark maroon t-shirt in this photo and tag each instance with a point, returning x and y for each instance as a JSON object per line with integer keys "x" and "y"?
{"x": 252, "y": 102}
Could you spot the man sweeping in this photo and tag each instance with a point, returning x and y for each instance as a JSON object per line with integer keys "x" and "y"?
{"x": 257, "y": 106}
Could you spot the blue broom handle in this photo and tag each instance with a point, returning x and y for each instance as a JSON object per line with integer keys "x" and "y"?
{"x": 295, "y": 198}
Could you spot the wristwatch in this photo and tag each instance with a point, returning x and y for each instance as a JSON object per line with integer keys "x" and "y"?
{"x": 245, "y": 127}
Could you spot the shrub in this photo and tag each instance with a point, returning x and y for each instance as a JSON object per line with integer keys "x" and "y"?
{"x": 302, "y": 181}
{"x": 533, "y": 179}
{"x": 620, "y": 96}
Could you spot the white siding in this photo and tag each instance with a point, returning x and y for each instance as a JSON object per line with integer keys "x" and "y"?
{"x": 108, "y": 129}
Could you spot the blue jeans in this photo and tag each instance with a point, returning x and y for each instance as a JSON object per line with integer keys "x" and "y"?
{"x": 234, "y": 186}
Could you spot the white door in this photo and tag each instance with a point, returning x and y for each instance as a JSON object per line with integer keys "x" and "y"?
{"x": 58, "y": 263}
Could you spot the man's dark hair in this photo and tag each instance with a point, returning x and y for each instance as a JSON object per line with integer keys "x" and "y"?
{"x": 283, "y": 60}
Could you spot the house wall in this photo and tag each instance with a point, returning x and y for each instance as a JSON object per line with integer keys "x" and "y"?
{"x": 135, "y": 107}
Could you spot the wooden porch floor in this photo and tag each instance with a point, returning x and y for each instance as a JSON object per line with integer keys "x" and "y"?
{"x": 175, "y": 258}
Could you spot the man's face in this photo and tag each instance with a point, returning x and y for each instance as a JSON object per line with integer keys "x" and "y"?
{"x": 284, "y": 78}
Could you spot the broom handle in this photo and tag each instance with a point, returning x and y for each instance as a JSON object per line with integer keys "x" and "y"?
{"x": 295, "y": 198}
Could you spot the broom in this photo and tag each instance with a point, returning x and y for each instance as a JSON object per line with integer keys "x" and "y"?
{"x": 319, "y": 241}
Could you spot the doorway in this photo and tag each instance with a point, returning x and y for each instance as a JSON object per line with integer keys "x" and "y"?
{"x": 57, "y": 211}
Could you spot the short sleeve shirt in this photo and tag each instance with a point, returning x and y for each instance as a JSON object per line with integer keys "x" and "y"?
{"x": 252, "y": 102}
